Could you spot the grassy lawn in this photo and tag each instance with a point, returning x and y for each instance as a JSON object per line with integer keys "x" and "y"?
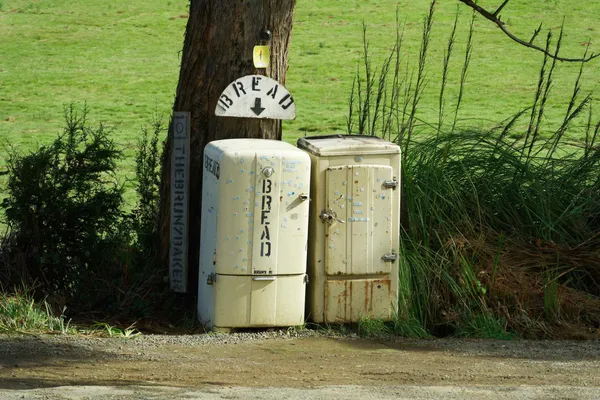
{"x": 327, "y": 48}
{"x": 122, "y": 59}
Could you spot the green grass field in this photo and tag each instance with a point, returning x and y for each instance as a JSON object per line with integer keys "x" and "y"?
{"x": 122, "y": 59}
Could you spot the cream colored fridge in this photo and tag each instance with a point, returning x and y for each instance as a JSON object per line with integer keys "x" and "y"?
{"x": 255, "y": 204}
{"x": 354, "y": 226}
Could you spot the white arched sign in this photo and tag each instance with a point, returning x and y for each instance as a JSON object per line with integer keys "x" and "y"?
{"x": 256, "y": 96}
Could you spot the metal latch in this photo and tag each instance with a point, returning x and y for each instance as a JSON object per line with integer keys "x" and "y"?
{"x": 325, "y": 217}
{"x": 390, "y": 184}
{"x": 330, "y": 216}
{"x": 305, "y": 278}
{"x": 391, "y": 257}
{"x": 212, "y": 278}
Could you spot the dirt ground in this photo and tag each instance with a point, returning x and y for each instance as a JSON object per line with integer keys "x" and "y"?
{"x": 284, "y": 366}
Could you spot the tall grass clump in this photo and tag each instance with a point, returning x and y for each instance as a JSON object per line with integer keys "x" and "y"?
{"x": 19, "y": 312}
{"x": 499, "y": 235}
{"x": 491, "y": 228}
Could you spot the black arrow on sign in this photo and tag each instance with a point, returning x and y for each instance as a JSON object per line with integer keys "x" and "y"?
{"x": 257, "y": 106}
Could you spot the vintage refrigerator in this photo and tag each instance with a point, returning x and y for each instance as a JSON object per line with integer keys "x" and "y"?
{"x": 253, "y": 246}
{"x": 354, "y": 225}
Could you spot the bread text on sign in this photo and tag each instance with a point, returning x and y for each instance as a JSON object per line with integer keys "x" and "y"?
{"x": 256, "y": 96}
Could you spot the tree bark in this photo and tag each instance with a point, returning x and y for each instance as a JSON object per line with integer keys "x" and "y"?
{"x": 219, "y": 40}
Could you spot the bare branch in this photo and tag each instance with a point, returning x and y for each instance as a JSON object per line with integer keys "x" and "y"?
{"x": 535, "y": 33}
{"x": 496, "y": 20}
{"x": 500, "y": 8}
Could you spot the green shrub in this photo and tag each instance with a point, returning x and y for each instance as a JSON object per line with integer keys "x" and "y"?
{"x": 63, "y": 205}
{"x": 69, "y": 236}
{"x": 147, "y": 169}
{"x": 130, "y": 284}
{"x": 140, "y": 289}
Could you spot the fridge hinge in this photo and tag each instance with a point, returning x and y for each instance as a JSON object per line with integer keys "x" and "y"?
{"x": 391, "y": 257}
{"x": 390, "y": 184}
{"x": 212, "y": 278}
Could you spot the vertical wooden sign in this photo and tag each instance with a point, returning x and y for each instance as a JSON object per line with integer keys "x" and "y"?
{"x": 180, "y": 180}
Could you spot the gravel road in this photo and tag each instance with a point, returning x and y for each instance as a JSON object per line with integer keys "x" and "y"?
{"x": 290, "y": 365}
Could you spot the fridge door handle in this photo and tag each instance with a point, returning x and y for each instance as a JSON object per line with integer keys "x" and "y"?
{"x": 264, "y": 278}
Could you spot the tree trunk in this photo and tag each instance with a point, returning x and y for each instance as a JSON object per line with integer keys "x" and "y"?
{"x": 219, "y": 40}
